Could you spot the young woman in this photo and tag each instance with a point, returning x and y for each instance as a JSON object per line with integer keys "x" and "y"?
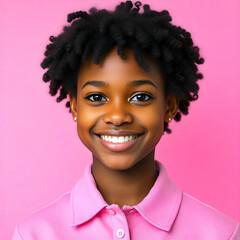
{"x": 127, "y": 75}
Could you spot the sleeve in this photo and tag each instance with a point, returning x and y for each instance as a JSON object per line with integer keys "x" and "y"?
{"x": 236, "y": 233}
{"x": 16, "y": 235}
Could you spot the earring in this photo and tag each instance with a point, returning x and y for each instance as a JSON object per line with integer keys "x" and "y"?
{"x": 169, "y": 119}
{"x": 75, "y": 118}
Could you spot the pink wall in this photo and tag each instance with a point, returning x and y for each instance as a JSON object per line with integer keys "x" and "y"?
{"x": 41, "y": 156}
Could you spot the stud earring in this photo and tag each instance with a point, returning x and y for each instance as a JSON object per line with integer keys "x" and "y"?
{"x": 75, "y": 118}
{"x": 169, "y": 119}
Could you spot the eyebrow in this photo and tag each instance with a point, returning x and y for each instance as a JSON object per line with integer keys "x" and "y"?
{"x": 133, "y": 83}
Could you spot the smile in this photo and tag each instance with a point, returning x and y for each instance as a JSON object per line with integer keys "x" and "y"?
{"x": 116, "y": 139}
{"x": 120, "y": 143}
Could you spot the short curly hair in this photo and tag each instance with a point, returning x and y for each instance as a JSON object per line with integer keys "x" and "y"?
{"x": 98, "y": 31}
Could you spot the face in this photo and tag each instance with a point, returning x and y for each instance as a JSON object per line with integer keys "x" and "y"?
{"x": 116, "y": 99}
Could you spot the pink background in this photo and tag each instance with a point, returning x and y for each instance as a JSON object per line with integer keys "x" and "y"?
{"x": 41, "y": 156}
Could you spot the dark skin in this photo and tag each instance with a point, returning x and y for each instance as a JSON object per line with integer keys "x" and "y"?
{"x": 122, "y": 177}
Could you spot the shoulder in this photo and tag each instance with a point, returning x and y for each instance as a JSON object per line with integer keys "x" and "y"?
{"x": 208, "y": 221}
{"x": 45, "y": 220}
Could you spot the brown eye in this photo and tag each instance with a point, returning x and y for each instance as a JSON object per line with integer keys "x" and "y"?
{"x": 142, "y": 97}
{"x": 94, "y": 97}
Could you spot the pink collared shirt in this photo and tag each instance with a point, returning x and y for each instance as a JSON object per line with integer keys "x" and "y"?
{"x": 165, "y": 213}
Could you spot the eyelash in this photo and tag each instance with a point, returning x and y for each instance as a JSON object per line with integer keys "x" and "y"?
{"x": 88, "y": 97}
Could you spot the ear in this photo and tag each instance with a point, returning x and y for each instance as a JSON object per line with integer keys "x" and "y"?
{"x": 171, "y": 107}
{"x": 73, "y": 105}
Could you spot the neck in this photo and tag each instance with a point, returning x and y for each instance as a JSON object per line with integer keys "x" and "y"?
{"x": 125, "y": 187}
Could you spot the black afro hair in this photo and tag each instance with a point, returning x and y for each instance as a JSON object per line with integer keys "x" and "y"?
{"x": 150, "y": 32}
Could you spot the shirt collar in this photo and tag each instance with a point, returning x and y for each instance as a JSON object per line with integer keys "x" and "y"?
{"x": 159, "y": 207}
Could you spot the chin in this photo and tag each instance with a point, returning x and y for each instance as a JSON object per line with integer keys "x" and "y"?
{"x": 119, "y": 164}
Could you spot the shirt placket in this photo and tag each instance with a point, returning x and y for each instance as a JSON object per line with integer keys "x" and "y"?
{"x": 120, "y": 224}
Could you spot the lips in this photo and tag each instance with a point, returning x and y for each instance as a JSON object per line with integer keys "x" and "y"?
{"x": 119, "y": 147}
{"x": 117, "y": 133}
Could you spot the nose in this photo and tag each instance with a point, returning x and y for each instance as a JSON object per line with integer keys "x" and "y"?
{"x": 118, "y": 113}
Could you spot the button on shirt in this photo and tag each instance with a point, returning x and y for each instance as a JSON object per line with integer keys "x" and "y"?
{"x": 165, "y": 213}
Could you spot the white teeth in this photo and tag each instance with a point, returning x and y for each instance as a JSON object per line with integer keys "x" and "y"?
{"x": 120, "y": 139}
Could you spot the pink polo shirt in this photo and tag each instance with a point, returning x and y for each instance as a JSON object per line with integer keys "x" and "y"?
{"x": 165, "y": 213}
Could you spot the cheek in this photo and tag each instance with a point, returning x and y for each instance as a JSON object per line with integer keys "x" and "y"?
{"x": 86, "y": 120}
{"x": 153, "y": 118}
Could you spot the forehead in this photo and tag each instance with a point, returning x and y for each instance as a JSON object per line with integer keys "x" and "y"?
{"x": 112, "y": 68}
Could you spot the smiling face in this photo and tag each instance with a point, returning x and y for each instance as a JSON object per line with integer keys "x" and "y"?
{"x": 116, "y": 96}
